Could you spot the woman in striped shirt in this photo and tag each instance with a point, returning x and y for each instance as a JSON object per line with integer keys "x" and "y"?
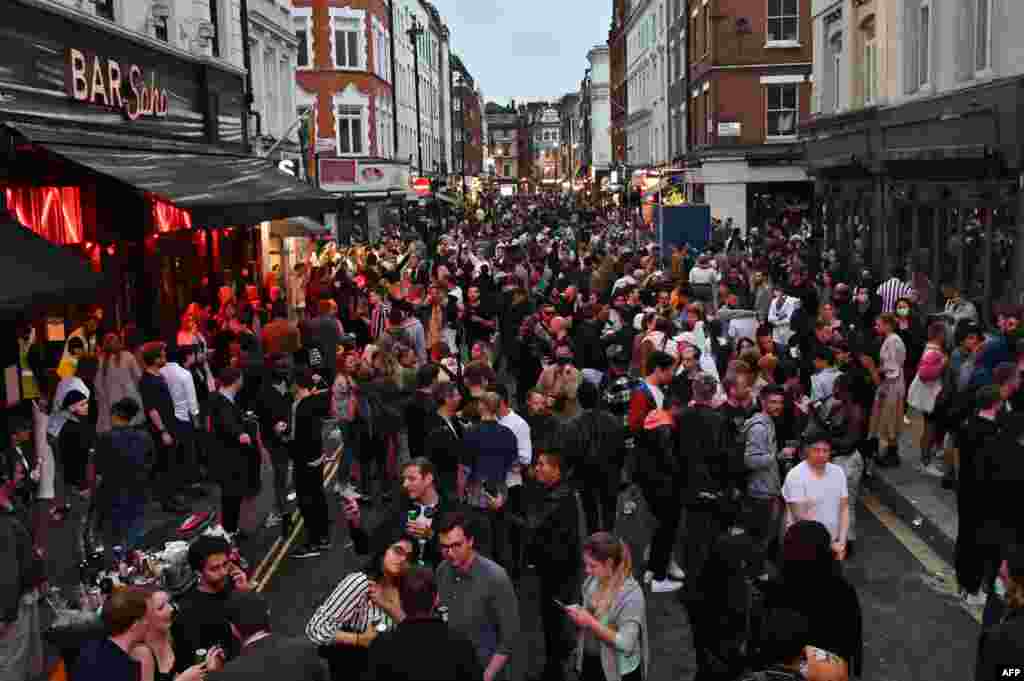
{"x": 364, "y": 604}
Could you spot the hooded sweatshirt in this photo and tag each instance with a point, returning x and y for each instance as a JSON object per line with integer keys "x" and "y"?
{"x": 760, "y": 450}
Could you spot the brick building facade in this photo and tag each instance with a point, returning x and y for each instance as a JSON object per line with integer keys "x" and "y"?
{"x": 749, "y": 88}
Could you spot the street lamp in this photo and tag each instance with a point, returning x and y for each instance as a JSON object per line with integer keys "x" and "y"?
{"x": 414, "y": 33}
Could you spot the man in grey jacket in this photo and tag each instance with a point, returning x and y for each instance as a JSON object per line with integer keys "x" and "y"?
{"x": 763, "y": 506}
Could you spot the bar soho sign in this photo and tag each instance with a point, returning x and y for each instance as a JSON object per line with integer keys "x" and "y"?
{"x": 104, "y": 82}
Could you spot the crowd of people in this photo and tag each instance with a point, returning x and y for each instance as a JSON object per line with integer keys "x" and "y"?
{"x": 494, "y": 403}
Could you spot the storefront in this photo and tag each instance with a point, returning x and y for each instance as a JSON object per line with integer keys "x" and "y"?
{"x": 933, "y": 185}
{"x": 368, "y": 190}
{"x": 135, "y": 154}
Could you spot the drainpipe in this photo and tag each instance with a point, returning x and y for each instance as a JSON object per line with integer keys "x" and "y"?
{"x": 243, "y": 8}
{"x": 394, "y": 84}
{"x": 686, "y": 77}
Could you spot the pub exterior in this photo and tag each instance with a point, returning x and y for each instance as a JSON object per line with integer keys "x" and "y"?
{"x": 932, "y": 184}
{"x": 135, "y": 154}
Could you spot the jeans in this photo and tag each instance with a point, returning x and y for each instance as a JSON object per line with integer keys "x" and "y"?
{"x": 853, "y": 466}
{"x": 704, "y": 524}
{"x": 279, "y": 462}
{"x": 762, "y": 518}
{"x": 309, "y": 489}
{"x": 666, "y": 509}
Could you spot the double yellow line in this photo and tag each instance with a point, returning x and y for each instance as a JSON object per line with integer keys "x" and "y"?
{"x": 268, "y": 566}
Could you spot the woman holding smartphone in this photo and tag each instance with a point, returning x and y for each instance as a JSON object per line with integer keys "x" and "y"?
{"x": 365, "y": 603}
{"x": 612, "y": 621}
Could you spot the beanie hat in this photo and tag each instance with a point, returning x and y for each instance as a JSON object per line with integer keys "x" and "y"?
{"x": 72, "y": 398}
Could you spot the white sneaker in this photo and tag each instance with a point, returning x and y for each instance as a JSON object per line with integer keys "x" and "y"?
{"x": 675, "y": 572}
{"x": 629, "y": 508}
{"x": 664, "y": 586}
{"x": 976, "y": 600}
{"x": 934, "y": 469}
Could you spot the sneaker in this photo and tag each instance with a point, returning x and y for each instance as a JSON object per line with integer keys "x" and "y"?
{"x": 292, "y": 496}
{"x": 273, "y": 520}
{"x": 675, "y": 572}
{"x": 306, "y": 551}
{"x": 664, "y": 586}
{"x": 934, "y": 469}
{"x": 976, "y": 600}
{"x": 325, "y": 546}
{"x": 648, "y": 577}
{"x": 629, "y": 508}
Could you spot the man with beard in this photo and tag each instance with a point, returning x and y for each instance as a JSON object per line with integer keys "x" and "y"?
{"x": 202, "y": 618}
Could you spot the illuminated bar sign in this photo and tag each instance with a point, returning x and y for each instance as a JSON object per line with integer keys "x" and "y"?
{"x": 104, "y": 82}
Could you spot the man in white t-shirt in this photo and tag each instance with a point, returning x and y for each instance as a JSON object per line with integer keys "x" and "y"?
{"x": 816, "y": 490}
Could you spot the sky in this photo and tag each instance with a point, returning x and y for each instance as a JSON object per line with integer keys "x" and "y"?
{"x": 528, "y": 49}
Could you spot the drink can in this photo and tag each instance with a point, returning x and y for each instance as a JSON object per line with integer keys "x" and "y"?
{"x": 201, "y": 655}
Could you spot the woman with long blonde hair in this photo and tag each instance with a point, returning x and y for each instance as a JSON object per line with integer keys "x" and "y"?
{"x": 612, "y": 641}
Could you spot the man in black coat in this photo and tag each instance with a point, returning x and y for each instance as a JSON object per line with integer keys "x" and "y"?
{"x": 423, "y": 647}
{"x": 555, "y": 531}
{"x": 708, "y": 453}
{"x": 312, "y": 406}
{"x": 234, "y": 461}
{"x": 597, "y": 438}
{"x": 265, "y": 655}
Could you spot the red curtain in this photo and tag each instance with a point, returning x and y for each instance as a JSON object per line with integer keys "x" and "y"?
{"x": 54, "y": 213}
{"x": 169, "y": 218}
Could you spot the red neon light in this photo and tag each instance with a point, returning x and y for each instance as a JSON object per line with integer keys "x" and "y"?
{"x": 169, "y": 218}
{"x": 34, "y": 207}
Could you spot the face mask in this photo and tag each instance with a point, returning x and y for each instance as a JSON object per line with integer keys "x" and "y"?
{"x": 903, "y": 312}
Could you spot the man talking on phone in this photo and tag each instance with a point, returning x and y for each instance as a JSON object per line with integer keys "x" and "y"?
{"x": 202, "y": 619}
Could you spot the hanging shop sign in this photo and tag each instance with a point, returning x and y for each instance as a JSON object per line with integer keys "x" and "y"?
{"x": 105, "y": 82}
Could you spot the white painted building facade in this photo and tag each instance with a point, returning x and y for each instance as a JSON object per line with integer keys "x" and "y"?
{"x": 647, "y": 121}
{"x": 600, "y": 108}
{"x": 435, "y": 88}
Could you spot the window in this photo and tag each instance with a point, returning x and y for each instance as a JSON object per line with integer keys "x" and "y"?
{"x": 783, "y": 21}
{"x": 215, "y": 20}
{"x": 707, "y": 28}
{"x": 924, "y": 45}
{"x": 871, "y": 65}
{"x": 160, "y": 28}
{"x": 346, "y": 44}
{"x": 350, "y": 129}
{"x": 105, "y": 9}
{"x": 982, "y": 36}
{"x": 302, "y": 58}
{"x": 782, "y": 110}
{"x": 837, "y": 58}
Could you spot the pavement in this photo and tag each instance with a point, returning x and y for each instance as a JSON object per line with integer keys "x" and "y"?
{"x": 915, "y": 625}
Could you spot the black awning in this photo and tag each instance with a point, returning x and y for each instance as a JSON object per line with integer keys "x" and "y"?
{"x": 38, "y": 272}
{"x": 216, "y": 187}
{"x": 299, "y": 226}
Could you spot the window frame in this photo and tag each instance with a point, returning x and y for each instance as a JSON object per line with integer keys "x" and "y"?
{"x": 347, "y": 113}
{"x": 306, "y": 19}
{"x": 985, "y": 69}
{"x": 781, "y": 18}
{"x": 769, "y": 137}
{"x": 871, "y": 72}
{"x": 351, "y": 50}
{"x": 923, "y": 47}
